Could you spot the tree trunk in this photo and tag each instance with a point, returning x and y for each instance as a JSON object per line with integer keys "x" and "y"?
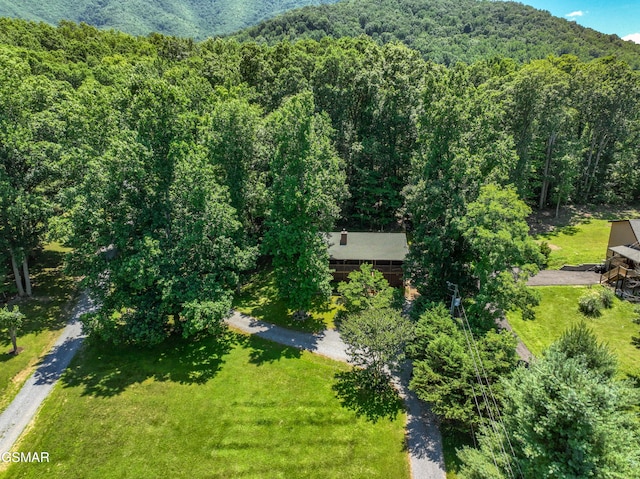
{"x": 27, "y": 278}
{"x": 16, "y": 274}
{"x": 558, "y": 204}
{"x": 14, "y": 341}
{"x": 544, "y": 191}
{"x": 592, "y": 177}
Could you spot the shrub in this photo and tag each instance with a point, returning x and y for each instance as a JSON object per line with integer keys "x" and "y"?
{"x": 545, "y": 251}
{"x": 607, "y": 297}
{"x": 590, "y": 304}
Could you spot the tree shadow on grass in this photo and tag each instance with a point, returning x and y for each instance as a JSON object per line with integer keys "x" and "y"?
{"x": 105, "y": 371}
{"x": 263, "y": 351}
{"x": 274, "y": 311}
{"x": 8, "y": 355}
{"x": 372, "y": 398}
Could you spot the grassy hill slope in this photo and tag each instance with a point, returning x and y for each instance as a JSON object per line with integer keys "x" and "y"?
{"x": 447, "y": 31}
{"x": 187, "y": 18}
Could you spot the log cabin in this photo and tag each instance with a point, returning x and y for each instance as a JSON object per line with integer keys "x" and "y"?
{"x": 385, "y": 251}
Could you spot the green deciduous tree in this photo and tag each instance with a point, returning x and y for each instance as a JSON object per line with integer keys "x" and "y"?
{"x": 367, "y": 288}
{"x": 503, "y": 254}
{"x": 153, "y": 231}
{"x": 564, "y": 417}
{"x": 235, "y": 143}
{"x": 462, "y": 147}
{"x": 11, "y": 320}
{"x": 307, "y": 185}
{"x": 33, "y": 127}
{"x": 376, "y": 339}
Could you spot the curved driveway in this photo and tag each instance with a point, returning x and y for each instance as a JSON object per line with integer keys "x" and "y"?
{"x": 23, "y": 408}
{"x": 424, "y": 442}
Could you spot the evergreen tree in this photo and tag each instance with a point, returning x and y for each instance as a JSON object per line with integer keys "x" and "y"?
{"x": 564, "y": 417}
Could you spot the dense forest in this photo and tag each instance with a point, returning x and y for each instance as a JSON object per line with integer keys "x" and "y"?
{"x": 197, "y": 19}
{"x": 449, "y": 31}
{"x": 172, "y": 167}
{"x": 417, "y": 141}
{"x": 444, "y": 31}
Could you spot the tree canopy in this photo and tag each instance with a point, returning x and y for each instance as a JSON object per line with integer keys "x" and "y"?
{"x": 152, "y": 155}
{"x": 565, "y": 416}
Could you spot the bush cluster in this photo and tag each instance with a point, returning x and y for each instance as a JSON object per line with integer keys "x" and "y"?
{"x": 592, "y": 302}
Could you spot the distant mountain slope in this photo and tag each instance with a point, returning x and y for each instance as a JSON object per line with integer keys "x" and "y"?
{"x": 447, "y": 31}
{"x": 186, "y": 18}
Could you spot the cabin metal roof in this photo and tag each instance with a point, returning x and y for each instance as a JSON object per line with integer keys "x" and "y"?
{"x": 368, "y": 246}
{"x": 631, "y": 253}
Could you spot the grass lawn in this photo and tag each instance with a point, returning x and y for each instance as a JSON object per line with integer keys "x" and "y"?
{"x": 259, "y": 299}
{"x": 580, "y": 234}
{"x": 585, "y": 242}
{"x": 236, "y": 407}
{"x": 558, "y": 310}
{"x": 45, "y": 317}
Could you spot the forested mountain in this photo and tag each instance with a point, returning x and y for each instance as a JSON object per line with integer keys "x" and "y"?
{"x": 447, "y": 31}
{"x": 444, "y": 31}
{"x": 197, "y": 19}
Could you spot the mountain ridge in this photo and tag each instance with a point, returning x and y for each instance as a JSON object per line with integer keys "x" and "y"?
{"x": 197, "y": 19}
{"x": 447, "y": 31}
{"x": 444, "y": 31}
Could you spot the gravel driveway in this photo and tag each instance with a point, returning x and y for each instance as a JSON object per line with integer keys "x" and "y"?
{"x": 552, "y": 277}
{"x": 23, "y": 408}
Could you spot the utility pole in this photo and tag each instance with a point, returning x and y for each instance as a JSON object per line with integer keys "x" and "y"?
{"x": 455, "y": 298}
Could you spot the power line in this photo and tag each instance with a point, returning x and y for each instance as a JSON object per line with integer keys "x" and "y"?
{"x": 491, "y": 405}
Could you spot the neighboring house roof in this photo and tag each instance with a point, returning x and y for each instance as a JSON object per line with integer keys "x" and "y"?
{"x": 369, "y": 246}
{"x": 632, "y": 254}
{"x": 635, "y": 226}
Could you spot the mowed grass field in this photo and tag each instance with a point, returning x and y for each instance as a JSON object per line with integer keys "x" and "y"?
{"x": 585, "y": 242}
{"x": 45, "y": 316}
{"x": 579, "y": 235}
{"x": 239, "y": 407}
{"x": 259, "y": 299}
{"x": 558, "y": 310}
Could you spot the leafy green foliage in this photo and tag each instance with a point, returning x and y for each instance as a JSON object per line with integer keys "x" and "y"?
{"x": 565, "y": 416}
{"x": 152, "y": 228}
{"x": 607, "y": 297}
{"x": 592, "y": 301}
{"x": 308, "y": 183}
{"x": 376, "y": 340}
{"x": 443, "y": 371}
{"x": 590, "y": 304}
{"x": 367, "y": 288}
{"x": 154, "y": 154}
{"x": 448, "y": 31}
{"x": 11, "y": 320}
{"x": 497, "y": 234}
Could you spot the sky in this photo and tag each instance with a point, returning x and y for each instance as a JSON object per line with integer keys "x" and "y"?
{"x": 621, "y": 17}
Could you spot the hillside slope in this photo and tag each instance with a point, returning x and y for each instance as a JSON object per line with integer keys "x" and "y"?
{"x": 447, "y": 31}
{"x": 197, "y": 19}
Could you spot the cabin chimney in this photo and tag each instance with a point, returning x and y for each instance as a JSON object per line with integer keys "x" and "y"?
{"x": 343, "y": 237}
